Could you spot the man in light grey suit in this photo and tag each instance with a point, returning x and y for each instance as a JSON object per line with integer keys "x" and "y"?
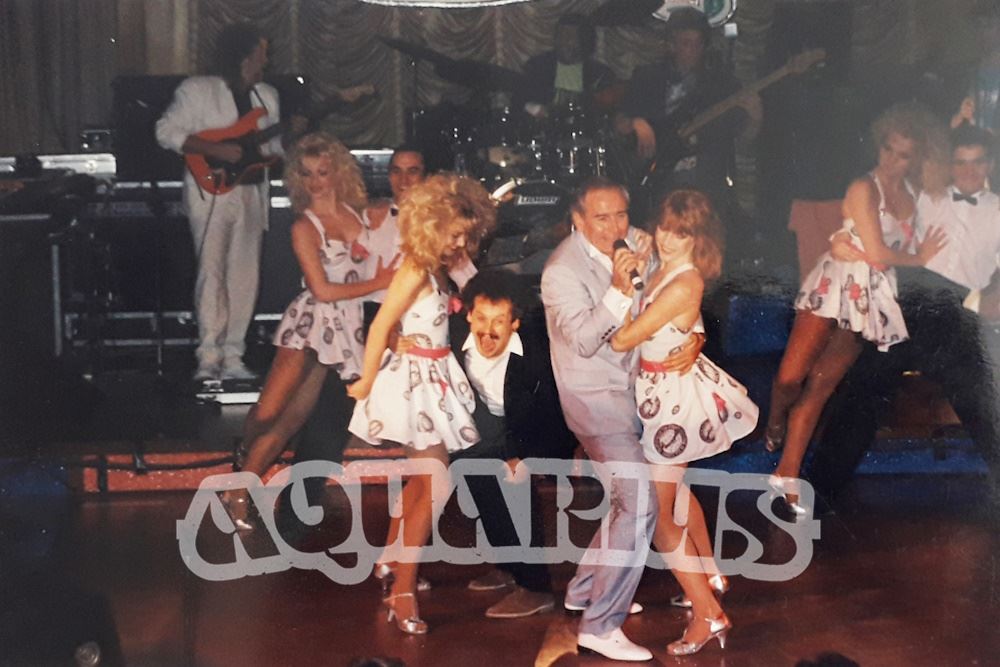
{"x": 588, "y": 292}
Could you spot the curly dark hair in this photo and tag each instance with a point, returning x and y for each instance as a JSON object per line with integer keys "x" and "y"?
{"x": 234, "y": 43}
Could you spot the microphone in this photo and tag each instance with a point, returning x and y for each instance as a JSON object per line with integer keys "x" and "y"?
{"x": 633, "y": 274}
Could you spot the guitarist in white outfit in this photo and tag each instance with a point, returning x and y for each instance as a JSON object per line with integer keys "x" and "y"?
{"x": 227, "y": 228}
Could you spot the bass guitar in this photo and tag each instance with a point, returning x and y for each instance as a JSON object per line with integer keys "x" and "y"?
{"x": 218, "y": 177}
{"x": 676, "y": 135}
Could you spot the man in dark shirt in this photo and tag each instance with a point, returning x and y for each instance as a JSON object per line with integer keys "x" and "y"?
{"x": 566, "y": 75}
{"x": 662, "y": 97}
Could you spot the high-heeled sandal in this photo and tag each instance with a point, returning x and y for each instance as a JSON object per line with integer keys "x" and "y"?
{"x": 413, "y": 625}
{"x": 774, "y": 438}
{"x": 238, "y": 508}
{"x": 782, "y": 487}
{"x": 718, "y": 628}
{"x": 719, "y": 583}
{"x": 386, "y": 576}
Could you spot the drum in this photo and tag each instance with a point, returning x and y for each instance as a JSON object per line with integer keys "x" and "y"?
{"x": 504, "y": 147}
{"x": 532, "y": 218}
{"x": 575, "y": 149}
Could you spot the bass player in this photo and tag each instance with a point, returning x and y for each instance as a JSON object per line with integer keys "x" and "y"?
{"x": 661, "y": 97}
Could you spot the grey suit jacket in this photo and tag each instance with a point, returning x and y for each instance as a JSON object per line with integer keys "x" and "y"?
{"x": 596, "y": 384}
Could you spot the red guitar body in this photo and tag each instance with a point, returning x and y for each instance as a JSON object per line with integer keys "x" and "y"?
{"x": 219, "y": 178}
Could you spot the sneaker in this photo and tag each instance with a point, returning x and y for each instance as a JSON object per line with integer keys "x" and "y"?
{"x": 237, "y": 370}
{"x": 521, "y": 603}
{"x": 493, "y": 581}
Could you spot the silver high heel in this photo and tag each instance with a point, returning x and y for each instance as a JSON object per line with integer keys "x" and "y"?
{"x": 238, "y": 509}
{"x": 411, "y": 626}
{"x": 785, "y": 486}
{"x": 719, "y": 583}
{"x": 718, "y": 628}
{"x": 385, "y": 574}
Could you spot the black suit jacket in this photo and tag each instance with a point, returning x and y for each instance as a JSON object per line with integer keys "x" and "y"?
{"x": 533, "y": 419}
{"x": 540, "y": 80}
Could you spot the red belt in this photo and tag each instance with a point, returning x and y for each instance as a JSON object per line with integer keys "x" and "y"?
{"x": 653, "y": 366}
{"x": 429, "y": 352}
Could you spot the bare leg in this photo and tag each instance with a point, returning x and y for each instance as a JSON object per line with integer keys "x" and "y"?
{"x": 294, "y": 408}
{"x": 289, "y": 394}
{"x": 697, "y": 529}
{"x": 287, "y": 372}
{"x": 838, "y": 356}
{"x": 667, "y": 536}
{"x": 418, "y": 519}
{"x": 810, "y": 335}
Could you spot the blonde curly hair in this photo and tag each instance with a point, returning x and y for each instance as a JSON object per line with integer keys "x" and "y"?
{"x": 348, "y": 184}
{"x": 917, "y": 123}
{"x": 431, "y": 211}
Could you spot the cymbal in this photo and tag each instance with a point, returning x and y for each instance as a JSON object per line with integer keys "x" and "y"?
{"x": 470, "y": 73}
{"x": 624, "y": 12}
{"x": 415, "y": 50}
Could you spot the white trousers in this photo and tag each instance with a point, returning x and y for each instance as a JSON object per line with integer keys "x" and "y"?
{"x": 227, "y": 232}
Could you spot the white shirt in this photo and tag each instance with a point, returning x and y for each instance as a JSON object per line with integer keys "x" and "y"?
{"x": 488, "y": 375}
{"x": 614, "y": 300}
{"x": 972, "y": 253}
{"x": 385, "y": 244}
{"x": 206, "y": 103}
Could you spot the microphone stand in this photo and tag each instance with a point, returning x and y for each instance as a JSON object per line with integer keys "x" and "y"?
{"x": 158, "y": 208}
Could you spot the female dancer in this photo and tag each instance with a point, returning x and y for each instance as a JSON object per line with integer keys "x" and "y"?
{"x": 321, "y": 328}
{"x": 685, "y": 417}
{"x": 841, "y": 303}
{"x": 420, "y": 398}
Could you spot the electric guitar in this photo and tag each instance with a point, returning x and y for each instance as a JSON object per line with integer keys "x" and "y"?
{"x": 675, "y": 136}
{"x": 218, "y": 177}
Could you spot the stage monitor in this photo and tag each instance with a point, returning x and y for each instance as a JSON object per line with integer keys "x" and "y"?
{"x": 139, "y": 101}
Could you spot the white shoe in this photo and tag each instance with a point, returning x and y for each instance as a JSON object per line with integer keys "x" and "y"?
{"x": 634, "y": 608}
{"x": 237, "y": 370}
{"x": 615, "y": 646}
{"x": 207, "y": 373}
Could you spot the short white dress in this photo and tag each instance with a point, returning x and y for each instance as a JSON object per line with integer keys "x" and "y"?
{"x": 858, "y": 297}
{"x": 332, "y": 329}
{"x": 421, "y": 398}
{"x": 691, "y": 416}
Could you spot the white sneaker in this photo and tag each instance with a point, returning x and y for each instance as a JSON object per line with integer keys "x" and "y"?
{"x": 614, "y": 645}
{"x": 237, "y": 370}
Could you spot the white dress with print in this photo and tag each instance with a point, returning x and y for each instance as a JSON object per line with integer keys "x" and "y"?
{"x": 331, "y": 328}
{"x": 416, "y": 400}
{"x": 855, "y": 295}
{"x": 691, "y": 416}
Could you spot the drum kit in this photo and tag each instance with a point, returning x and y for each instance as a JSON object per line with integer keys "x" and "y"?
{"x": 530, "y": 163}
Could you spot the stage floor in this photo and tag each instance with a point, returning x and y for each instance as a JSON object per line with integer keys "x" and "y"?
{"x": 905, "y": 573}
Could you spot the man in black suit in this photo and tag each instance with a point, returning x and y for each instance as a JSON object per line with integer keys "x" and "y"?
{"x": 566, "y": 75}
{"x": 518, "y": 417}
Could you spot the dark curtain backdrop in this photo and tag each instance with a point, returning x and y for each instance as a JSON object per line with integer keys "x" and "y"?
{"x": 58, "y": 57}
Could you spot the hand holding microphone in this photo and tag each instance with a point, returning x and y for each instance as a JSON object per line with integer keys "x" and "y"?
{"x": 633, "y": 274}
